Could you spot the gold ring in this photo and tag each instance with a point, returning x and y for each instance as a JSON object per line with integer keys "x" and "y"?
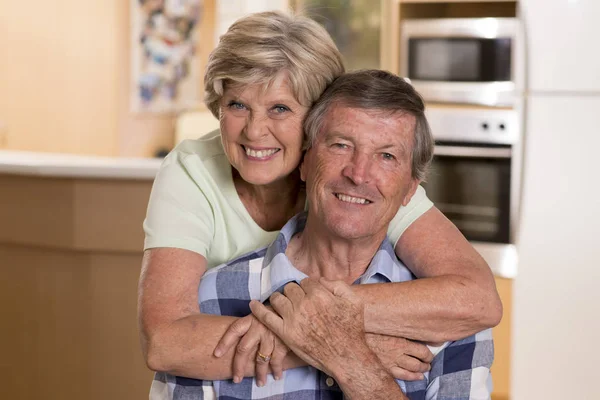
{"x": 262, "y": 357}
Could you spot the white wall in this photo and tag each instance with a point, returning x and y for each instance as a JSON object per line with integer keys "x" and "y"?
{"x": 557, "y": 292}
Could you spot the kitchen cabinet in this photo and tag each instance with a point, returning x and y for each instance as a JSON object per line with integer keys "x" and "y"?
{"x": 556, "y": 293}
{"x": 558, "y": 37}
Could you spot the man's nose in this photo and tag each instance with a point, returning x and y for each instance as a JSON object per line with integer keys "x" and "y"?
{"x": 358, "y": 169}
{"x": 256, "y": 126}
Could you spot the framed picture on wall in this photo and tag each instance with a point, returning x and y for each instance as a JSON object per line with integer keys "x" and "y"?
{"x": 165, "y": 63}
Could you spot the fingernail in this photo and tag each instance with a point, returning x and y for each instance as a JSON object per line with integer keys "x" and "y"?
{"x": 277, "y": 377}
{"x": 218, "y": 352}
{"x": 421, "y": 376}
{"x": 237, "y": 379}
{"x": 261, "y": 384}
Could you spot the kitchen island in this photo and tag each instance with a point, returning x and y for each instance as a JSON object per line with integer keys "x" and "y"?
{"x": 71, "y": 244}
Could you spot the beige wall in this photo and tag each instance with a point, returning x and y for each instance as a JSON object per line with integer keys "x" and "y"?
{"x": 64, "y": 79}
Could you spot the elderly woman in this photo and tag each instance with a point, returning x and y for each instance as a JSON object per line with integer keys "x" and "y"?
{"x": 227, "y": 194}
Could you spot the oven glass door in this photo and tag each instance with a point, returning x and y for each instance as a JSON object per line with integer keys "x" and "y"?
{"x": 460, "y": 59}
{"x": 473, "y": 191}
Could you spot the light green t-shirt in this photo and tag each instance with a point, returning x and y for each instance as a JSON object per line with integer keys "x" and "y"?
{"x": 194, "y": 206}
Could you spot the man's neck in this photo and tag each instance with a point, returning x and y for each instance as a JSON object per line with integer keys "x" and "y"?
{"x": 318, "y": 253}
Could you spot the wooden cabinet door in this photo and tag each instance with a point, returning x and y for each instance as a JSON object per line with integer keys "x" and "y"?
{"x": 502, "y": 343}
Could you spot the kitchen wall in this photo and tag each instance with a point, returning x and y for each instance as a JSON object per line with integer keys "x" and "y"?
{"x": 64, "y": 79}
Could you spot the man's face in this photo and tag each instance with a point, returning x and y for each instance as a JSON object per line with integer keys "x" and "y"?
{"x": 358, "y": 172}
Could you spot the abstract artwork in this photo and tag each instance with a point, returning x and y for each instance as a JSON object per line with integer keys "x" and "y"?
{"x": 165, "y": 63}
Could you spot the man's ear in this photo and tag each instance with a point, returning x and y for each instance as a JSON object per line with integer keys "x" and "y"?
{"x": 412, "y": 188}
{"x": 303, "y": 167}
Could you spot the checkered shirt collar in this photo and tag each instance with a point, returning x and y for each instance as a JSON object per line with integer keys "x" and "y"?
{"x": 277, "y": 270}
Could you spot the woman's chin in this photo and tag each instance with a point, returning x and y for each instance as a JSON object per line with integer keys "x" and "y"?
{"x": 267, "y": 176}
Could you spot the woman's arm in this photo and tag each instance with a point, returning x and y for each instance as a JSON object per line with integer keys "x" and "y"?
{"x": 455, "y": 298}
{"x": 178, "y": 339}
{"x": 175, "y": 336}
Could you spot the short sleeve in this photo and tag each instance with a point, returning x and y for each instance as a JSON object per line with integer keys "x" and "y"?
{"x": 417, "y": 206}
{"x": 179, "y": 214}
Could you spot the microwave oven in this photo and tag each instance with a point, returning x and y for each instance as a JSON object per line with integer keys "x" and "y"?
{"x": 463, "y": 60}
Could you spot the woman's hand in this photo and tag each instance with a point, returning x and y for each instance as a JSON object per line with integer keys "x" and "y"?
{"x": 254, "y": 340}
{"x": 405, "y": 359}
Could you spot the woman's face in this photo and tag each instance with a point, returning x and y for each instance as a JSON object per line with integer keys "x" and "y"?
{"x": 261, "y": 130}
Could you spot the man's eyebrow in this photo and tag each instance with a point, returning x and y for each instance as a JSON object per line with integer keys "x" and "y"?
{"x": 393, "y": 146}
{"x": 339, "y": 135}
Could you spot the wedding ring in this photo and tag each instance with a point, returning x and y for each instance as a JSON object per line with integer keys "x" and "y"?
{"x": 260, "y": 356}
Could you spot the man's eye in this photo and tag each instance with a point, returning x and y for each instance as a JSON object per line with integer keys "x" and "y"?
{"x": 340, "y": 145}
{"x": 388, "y": 156}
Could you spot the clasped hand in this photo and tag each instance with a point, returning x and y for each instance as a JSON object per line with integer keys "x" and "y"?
{"x": 312, "y": 319}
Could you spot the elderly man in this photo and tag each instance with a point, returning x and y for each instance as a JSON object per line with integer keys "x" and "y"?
{"x": 369, "y": 147}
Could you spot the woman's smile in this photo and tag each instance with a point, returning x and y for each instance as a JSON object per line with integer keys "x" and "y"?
{"x": 260, "y": 154}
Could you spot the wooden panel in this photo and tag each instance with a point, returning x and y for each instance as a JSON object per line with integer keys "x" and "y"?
{"x": 108, "y": 215}
{"x": 458, "y": 1}
{"x": 73, "y": 214}
{"x": 46, "y": 306}
{"x": 502, "y": 343}
{"x": 36, "y": 211}
{"x": 72, "y": 326}
{"x": 445, "y": 9}
{"x": 119, "y": 368}
{"x": 390, "y": 35}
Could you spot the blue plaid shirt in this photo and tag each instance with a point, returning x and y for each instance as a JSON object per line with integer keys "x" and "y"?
{"x": 460, "y": 370}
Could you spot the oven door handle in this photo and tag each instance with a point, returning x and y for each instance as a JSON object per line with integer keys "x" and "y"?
{"x": 474, "y": 152}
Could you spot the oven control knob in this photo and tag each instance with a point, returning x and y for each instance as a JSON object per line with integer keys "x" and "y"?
{"x": 502, "y": 127}
{"x": 485, "y": 126}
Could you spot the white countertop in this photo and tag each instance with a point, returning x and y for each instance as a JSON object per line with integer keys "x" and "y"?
{"x": 501, "y": 257}
{"x": 77, "y": 166}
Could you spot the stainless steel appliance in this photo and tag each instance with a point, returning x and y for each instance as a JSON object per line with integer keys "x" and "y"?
{"x": 463, "y": 60}
{"x": 473, "y": 178}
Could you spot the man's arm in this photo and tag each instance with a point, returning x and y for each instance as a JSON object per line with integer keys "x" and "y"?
{"x": 456, "y": 297}
{"x": 322, "y": 322}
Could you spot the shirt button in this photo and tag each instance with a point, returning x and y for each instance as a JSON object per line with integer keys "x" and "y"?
{"x": 329, "y": 381}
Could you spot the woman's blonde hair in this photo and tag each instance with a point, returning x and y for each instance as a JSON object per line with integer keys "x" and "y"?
{"x": 258, "y": 47}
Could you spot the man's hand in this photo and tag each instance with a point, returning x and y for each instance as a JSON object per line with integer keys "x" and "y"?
{"x": 321, "y": 321}
{"x": 405, "y": 359}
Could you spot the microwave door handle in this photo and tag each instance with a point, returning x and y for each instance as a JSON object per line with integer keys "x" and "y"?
{"x": 474, "y": 152}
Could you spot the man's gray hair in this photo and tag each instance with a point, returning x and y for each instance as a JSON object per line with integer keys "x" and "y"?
{"x": 381, "y": 91}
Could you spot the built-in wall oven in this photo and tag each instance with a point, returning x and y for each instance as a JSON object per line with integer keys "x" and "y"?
{"x": 473, "y": 175}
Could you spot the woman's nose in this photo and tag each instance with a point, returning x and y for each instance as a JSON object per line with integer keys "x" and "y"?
{"x": 256, "y": 127}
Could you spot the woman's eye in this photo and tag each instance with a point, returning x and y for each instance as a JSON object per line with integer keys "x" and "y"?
{"x": 280, "y": 109}
{"x": 234, "y": 105}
